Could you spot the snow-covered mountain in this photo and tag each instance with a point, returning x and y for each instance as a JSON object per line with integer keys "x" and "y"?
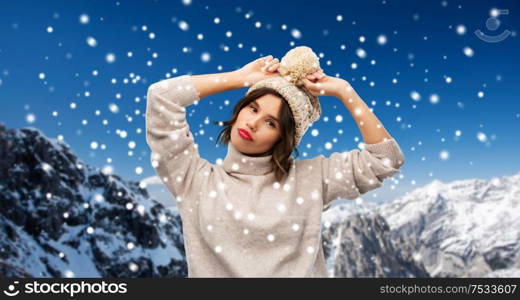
{"x": 466, "y": 228}
{"x": 61, "y": 218}
{"x": 357, "y": 242}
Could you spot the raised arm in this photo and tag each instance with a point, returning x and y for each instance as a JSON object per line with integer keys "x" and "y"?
{"x": 246, "y": 76}
{"x": 369, "y": 125}
{"x": 209, "y": 84}
{"x": 350, "y": 174}
{"x": 371, "y": 128}
{"x": 175, "y": 155}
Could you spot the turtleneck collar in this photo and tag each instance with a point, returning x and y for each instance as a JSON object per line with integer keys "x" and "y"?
{"x": 239, "y": 163}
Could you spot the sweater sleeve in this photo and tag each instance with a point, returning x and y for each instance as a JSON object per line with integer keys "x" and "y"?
{"x": 347, "y": 175}
{"x": 175, "y": 156}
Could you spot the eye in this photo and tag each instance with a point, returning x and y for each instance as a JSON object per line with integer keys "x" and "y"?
{"x": 271, "y": 123}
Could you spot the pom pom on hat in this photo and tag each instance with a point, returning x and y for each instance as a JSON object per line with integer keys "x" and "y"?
{"x": 296, "y": 65}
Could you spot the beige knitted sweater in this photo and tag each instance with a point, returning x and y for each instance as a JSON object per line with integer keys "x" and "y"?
{"x": 237, "y": 220}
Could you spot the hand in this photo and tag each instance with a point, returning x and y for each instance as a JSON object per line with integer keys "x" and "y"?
{"x": 319, "y": 84}
{"x": 258, "y": 70}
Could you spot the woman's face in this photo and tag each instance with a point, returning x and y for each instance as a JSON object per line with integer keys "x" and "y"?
{"x": 260, "y": 118}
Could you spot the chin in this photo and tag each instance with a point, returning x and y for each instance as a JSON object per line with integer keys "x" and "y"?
{"x": 242, "y": 147}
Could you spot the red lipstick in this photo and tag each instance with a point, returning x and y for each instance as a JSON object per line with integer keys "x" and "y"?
{"x": 245, "y": 134}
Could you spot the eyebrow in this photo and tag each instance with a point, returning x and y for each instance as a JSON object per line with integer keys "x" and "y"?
{"x": 254, "y": 101}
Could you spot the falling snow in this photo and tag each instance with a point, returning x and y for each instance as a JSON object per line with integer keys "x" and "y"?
{"x": 110, "y": 58}
{"x": 381, "y": 39}
{"x": 296, "y": 34}
{"x": 468, "y": 51}
{"x": 183, "y": 25}
{"x": 91, "y": 41}
{"x": 461, "y": 29}
{"x": 84, "y": 19}
{"x": 369, "y": 60}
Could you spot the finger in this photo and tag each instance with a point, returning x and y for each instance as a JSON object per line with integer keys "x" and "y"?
{"x": 271, "y": 62}
{"x": 274, "y": 67}
{"x": 316, "y": 77}
{"x": 264, "y": 60}
{"x": 308, "y": 84}
{"x": 268, "y": 67}
{"x": 315, "y": 88}
{"x": 311, "y": 87}
{"x": 267, "y": 59}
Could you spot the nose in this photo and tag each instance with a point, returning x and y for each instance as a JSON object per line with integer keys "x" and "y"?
{"x": 250, "y": 127}
{"x": 252, "y": 123}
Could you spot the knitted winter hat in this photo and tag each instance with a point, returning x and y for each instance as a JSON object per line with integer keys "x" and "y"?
{"x": 296, "y": 65}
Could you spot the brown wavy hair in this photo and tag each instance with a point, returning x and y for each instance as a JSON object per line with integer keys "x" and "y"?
{"x": 281, "y": 150}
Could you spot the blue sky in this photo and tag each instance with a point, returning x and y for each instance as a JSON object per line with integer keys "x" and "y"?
{"x": 55, "y": 75}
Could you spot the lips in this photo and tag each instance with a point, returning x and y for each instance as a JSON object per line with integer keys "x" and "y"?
{"x": 244, "y": 134}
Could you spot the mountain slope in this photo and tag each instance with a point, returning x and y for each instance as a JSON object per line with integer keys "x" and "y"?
{"x": 461, "y": 229}
{"x": 358, "y": 243}
{"x": 61, "y": 218}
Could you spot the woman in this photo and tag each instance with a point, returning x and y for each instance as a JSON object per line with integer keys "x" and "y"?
{"x": 258, "y": 214}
